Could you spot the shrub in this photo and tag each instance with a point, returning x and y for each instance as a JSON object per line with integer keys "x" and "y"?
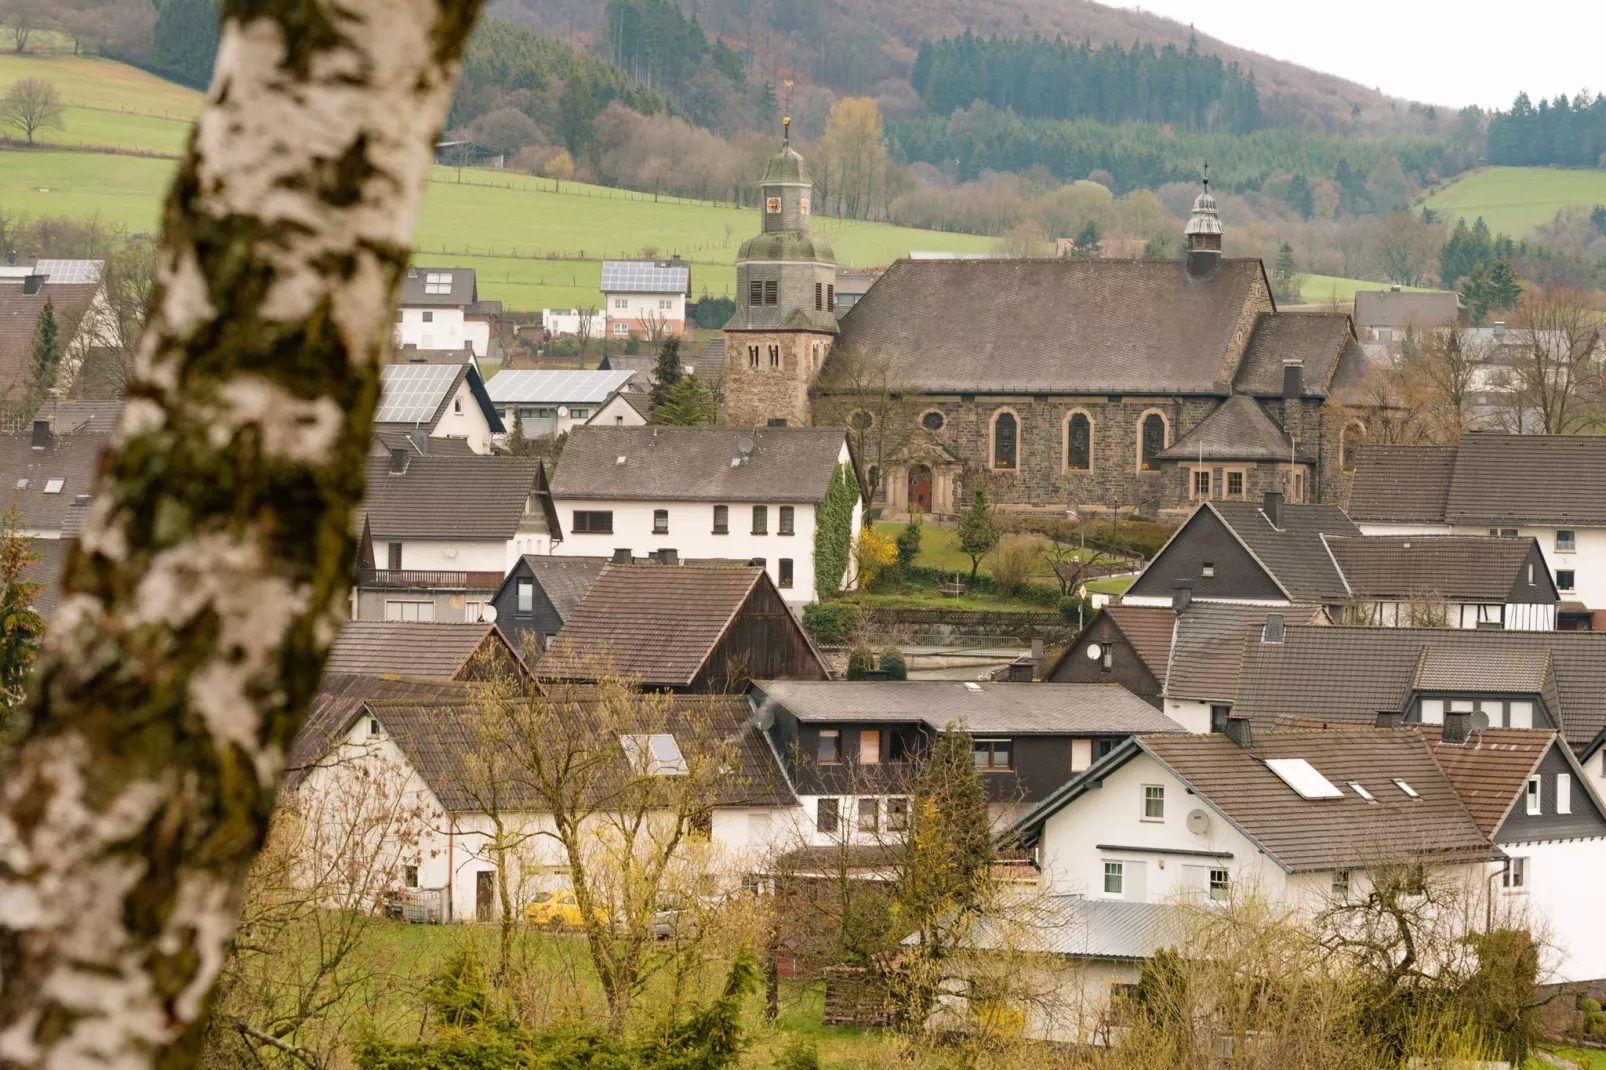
{"x": 861, "y": 659}
{"x": 831, "y": 622}
{"x": 566, "y": 346}
{"x": 876, "y": 555}
{"x": 909, "y": 543}
{"x": 1588, "y": 1005}
{"x": 800, "y": 1054}
{"x": 894, "y": 666}
{"x": 1076, "y": 610}
{"x": 1014, "y": 560}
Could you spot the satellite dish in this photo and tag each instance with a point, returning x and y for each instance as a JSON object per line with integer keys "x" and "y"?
{"x": 1480, "y": 721}
{"x": 563, "y": 412}
{"x": 1093, "y": 652}
{"x": 745, "y": 445}
{"x": 764, "y": 717}
{"x": 488, "y": 614}
{"x": 1198, "y": 822}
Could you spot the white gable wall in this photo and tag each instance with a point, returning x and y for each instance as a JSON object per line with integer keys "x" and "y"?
{"x": 448, "y": 328}
{"x": 1561, "y": 901}
{"x": 465, "y": 419}
{"x": 617, "y": 413}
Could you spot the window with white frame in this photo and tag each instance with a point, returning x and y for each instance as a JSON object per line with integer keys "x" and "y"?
{"x": 1566, "y": 542}
{"x": 1533, "y": 797}
{"x": 621, "y": 328}
{"x": 1515, "y": 874}
{"x": 1114, "y": 878}
{"x": 398, "y": 610}
{"x": 1340, "y": 887}
{"x": 621, "y": 303}
{"x": 1219, "y": 887}
{"x": 665, "y": 304}
{"x": 1153, "y": 802}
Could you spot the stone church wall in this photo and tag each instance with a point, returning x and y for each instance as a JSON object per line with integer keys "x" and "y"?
{"x": 756, "y": 395}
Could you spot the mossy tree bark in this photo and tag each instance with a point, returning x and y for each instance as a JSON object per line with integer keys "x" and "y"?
{"x": 209, "y": 581}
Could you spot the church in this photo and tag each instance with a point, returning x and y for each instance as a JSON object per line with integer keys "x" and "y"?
{"x": 1138, "y": 386}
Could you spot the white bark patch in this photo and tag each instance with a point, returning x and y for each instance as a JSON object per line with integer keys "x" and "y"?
{"x": 295, "y": 429}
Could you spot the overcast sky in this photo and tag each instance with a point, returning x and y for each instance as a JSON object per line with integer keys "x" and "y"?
{"x": 1437, "y": 51}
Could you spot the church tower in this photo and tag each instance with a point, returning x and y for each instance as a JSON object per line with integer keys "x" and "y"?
{"x": 785, "y": 296}
{"x": 1203, "y": 233}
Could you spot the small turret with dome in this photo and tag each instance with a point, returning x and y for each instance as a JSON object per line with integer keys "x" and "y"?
{"x": 1203, "y": 233}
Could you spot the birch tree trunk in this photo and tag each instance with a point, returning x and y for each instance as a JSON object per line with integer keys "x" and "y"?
{"x": 211, "y": 576}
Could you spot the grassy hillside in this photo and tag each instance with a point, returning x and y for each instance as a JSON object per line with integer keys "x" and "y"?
{"x": 109, "y": 104}
{"x": 1330, "y": 289}
{"x": 1514, "y": 200}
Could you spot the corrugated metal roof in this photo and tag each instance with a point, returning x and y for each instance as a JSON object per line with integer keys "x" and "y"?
{"x": 1016, "y": 708}
{"x": 1108, "y": 929}
{"x": 555, "y": 387}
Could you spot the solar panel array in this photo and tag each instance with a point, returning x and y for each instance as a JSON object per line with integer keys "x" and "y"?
{"x": 644, "y": 277}
{"x": 69, "y": 271}
{"x": 556, "y": 388}
{"x": 410, "y": 393}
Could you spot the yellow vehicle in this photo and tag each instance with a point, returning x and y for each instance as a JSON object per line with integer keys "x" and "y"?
{"x": 558, "y": 910}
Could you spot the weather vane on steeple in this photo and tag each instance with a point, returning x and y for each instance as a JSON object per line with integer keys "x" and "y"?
{"x": 1207, "y": 176}
{"x": 786, "y": 117}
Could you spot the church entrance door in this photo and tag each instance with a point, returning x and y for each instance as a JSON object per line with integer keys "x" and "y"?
{"x": 920, "y": 488}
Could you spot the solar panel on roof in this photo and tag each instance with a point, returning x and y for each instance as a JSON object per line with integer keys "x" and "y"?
{"x": 69, "y": 271}
{"x": 410, "y": 393}
{"x": 643, "y": 276}
{"x": 555, "y": 387}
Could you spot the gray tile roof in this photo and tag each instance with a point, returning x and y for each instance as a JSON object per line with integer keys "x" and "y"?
{"x": 1294, "y": 554}
{"x": 1239, "y": 430}
{"x": 1486, "y": 479}
{"x": 1386, "y": 308}
{"x": 509, "y": 387}
{"x": 19, "y": 321}
{"x": 75, "y": 417}
{"x": 1100, "y": 326}
{"x": 1348, "y": 674}
{"x": 437, "y": 737}
{"x": 565, "y": 579}
{"x": 449, "y": 497}
{"x": 464, "y": 288}
{"x": 1456, "y": 568}
{"x": 1016, "y": 708}
{"x": 1208, "y": 654}
{"x": 786, "y": 464}
{"x": 49, "y": 560}
{"x": 710, "y": 364}
{"x": 1317, "y": 339}
{"x": 73, "y": 459}
{"x": 340, "y": 695}
{"x": 433, "y": 650}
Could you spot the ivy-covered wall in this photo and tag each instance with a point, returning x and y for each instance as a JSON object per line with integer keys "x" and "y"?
{"x": 833, "y": 533}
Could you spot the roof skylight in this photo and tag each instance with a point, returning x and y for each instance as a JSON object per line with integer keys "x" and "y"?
{"x": 53, "y": 486}
{"x": 1300, "y": 775}
{"x": 654, "y": 755}
{"x": 1403, "y": 786}
{"x": 1362, "y": 792}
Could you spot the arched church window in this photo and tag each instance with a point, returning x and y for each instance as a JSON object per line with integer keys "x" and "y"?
{"x": 1006, "y": 439}
{"x": 1079, "y": 443}
{"x": 861, "y": 420}
{"x": 1153, "y": 442}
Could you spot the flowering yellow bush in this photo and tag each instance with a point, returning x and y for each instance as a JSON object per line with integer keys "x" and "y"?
{"x": 875, "y": 553}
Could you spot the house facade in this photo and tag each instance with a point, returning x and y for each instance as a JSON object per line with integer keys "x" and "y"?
{"x": 1387, "y": 315}
{"x": 708, "y": 493}
{"x": 1549, "y": 488}
{"x": 440, "y": 308}
{"x": 539, "y": 595}
{"x": 646, "y": 298}
{"x": 439, "y": 396}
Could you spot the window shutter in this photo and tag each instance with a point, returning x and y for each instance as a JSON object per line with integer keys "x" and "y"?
{"x": 1564, "y": 793}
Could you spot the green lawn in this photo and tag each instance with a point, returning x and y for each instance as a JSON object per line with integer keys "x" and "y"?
{"x": 1330, "y": 289}
{"x": 1514, "y": 200}
{"x": 1116, "y": 585}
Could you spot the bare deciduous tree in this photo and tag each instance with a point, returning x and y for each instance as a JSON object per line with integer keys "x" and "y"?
{"x": 21, "y": 18}
{"x": 211, "y": 574}
{"x": 32, "y": 105}
{"x": 1552, "y": 382}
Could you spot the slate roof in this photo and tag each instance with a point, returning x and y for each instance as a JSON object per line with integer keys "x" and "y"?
{"x": 1457, "y": 568}
{"x": 1386, "y": 308}
{"x": 786, "y": 464}
{"x": 449, "y": 497}
{"x": 1317, "y": 339}
{"x": 1208, "y": 655}
{"x": 1294, "y": 554}
{"x": 1025, "y": 325}
{"x": 654, "y": 623}
{"x": 565, "y": 579}
{"x": 1402, "y": 483}
{"x": 74, "y": 417}
{"x": 1148, "y": 629}
{"x": 19, "y": 320}
{"x": 1486, "y": 479}
{"x": 1017, "y": 708}
{"x": 1348, "y": 674}
{"x": 555, "y": 387}
{"x": 428, "y": 650}
{"x": 464, "y": 291}
{"x": 437, "y": 736}
{"x": 73, "y": 459}
{"x": 1491, "y": 768}
{"x": 1237, "y": 430}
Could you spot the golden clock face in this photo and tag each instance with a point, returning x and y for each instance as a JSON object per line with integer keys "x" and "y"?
{"x": 773, "y": 205}
{"x": 803, "y": 206}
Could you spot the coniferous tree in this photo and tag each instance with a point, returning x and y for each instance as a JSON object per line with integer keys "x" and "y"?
{"x": 1504, "y": 292}
{"x": 1300, "y": 197}
{"x": 46, "y": 352}
{"x": 184, "y": 42}
{"x": 1089, "y": 243}
{"x": 517, "y": 444}
{"x": 1477, "y": 297}
{"x": 979, "y": 530}
{"x": 667, "y": 373}
{"x": 1284, "y": 275}
{"x": 20, "y": 626}
{"x": 687, "y": 404}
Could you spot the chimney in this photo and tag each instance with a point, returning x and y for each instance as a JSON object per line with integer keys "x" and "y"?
{"x": 1037, "y": 653}
{"x": 1021, "y": 672}
{"x": 41, "y": 434}
{"x": 1238, "y": 731}
{"x": 11, "y": 258}
{"x": 669, "y": 556}
{"x": 81, "y": 499}
{"x": 31, "y": 284}
{"x": 398, "y": 461}
{"x": 1499, "y": 329}
{"x": 1181, "y": 595}
{"x": 623, "y": 556}
{"x": 1293, "y": 375}
{"x": 1274, "y": 628}
{"x": 1457, "y": 724}
{"x": 1390, "y": 718}
{"x": 1273, "y": 508}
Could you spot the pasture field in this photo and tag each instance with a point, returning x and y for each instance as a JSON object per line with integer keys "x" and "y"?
{"x": 1330, "y": 289}
{"x": 109, "y": 104}
{"x": 1514, "y": 200}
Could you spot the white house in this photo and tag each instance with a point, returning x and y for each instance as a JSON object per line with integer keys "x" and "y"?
{"x": 645, "y": 297}
{"x": 440, "y": 531}
{"x": 440, "y": 308}
{"x": 1551, "y": 488}
{"x": 628, "y": 408}
{"x": 439, "y": 396}
{"x": 576, "y": 321}
{"x": 418, "y": 749}
{"x": 710, "y": 493}
{"x": 551, "y": 403}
